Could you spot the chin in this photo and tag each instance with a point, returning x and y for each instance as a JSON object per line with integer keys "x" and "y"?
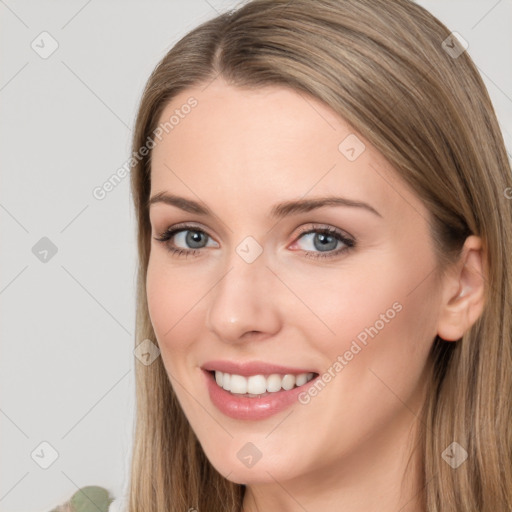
{"x": 242, "y": 462}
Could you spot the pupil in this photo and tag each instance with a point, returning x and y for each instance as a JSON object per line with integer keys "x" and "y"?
{"x": 326, "y": 242}
{"x": 195, "y": 239}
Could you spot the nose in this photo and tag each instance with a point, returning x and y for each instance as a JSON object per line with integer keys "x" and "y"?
{"x": 242, "y": 304}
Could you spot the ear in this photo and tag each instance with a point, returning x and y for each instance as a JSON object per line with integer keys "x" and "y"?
{"x": 463, "y": 292}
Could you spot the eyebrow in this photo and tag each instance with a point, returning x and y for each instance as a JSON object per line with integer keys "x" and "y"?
{"x": 278, "y": 211}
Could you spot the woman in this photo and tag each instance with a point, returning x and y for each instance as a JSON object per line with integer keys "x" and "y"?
{"x": 321, "y": 190}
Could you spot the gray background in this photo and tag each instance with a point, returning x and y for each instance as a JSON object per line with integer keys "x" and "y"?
{"x": 67, "y": 322}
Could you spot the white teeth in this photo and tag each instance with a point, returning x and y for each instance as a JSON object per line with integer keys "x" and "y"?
{"x": 274, "y": 383}
{"x": 301, "y": 379}
{"x": 238, "y": 384}
{"x": 226, "y": 381}
{"x": 288, "y": 382}
{"x": 259, "y": 384}
{"x": 256, "y": 384}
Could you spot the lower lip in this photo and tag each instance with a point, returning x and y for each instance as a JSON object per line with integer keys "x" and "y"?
{"x": 243, "y": 408}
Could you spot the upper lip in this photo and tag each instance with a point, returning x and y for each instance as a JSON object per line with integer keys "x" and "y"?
{"x": 249, "y": 368}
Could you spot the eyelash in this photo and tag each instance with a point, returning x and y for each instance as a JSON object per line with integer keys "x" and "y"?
{"x": 328, "y": 230}
{"x": 331, "y": 231}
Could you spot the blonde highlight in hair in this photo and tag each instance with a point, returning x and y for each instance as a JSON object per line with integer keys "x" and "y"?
{"x": 381, "y": 66}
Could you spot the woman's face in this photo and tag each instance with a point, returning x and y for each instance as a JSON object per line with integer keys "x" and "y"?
{"x": 263, "y": 277}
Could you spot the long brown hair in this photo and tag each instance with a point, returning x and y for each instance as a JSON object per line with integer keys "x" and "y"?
{"x": 382, "y": 66}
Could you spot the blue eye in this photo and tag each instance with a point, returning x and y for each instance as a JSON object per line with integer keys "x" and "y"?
{"x": 324, "y": 242}
{"x": 191, "y": 239}
{"x": 186, "y": 240}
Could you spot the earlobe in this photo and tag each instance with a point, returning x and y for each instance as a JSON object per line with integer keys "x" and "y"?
{"x": 464, "y": 292}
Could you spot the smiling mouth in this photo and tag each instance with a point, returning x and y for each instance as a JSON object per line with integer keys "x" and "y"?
{"x": 256, "y": 386}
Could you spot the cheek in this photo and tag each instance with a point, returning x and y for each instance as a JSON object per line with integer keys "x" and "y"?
{"x": 373, "y": 316}
{"x": 384, "y": 325}
{"x": 174, "y": 300}
{"x": 389, "y": 340}
{"x": 334, "y": 305}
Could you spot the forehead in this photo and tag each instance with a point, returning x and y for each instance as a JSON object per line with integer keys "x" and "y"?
{"x": 255, "y": 147}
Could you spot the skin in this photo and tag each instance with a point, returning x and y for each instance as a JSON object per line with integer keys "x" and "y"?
{"x": 241, "y": 151}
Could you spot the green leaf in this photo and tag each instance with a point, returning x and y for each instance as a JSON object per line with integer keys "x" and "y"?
{"x": 87, "y": 499}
